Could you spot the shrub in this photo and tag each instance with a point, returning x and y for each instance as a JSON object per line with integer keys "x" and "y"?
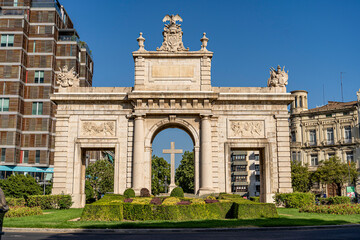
{"x": 183, "y": 202}
{"x": 96, "y": 212}
{"x": 294, "y": 200}
{"x": 340, "y": 209}
{"x": 245, "y": 211}
{"x": 230, "y": 196}
{"x": 171, "y": 201}
{"x": 144, "y": 192}
{"x": 211, "y": 200}
{"x": 89, "y": 192}
{"x": 197, "y": 201}
{"x": 177, "y": 192}
{"x": 142, "y": 200}
{"x": 20, "y": 186}
{"x": 50, "y": 201}
{"x": 335, "y": 200}
{"x": 23, "y": 211}
{"x": 255, "y": 199}
{"x": 15, "y": 202}
{"x": 129, "y": 193}
{"x": 211, "y": 197}
{"x": 156, "y": 201}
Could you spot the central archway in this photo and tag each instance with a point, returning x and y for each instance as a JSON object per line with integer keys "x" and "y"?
{"x": 179, "y": 124}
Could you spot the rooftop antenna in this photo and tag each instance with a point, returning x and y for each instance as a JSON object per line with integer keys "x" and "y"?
{"x": 342, "y": 92}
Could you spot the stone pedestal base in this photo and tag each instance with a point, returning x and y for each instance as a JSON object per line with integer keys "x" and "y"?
{"x": 205, "y": 191}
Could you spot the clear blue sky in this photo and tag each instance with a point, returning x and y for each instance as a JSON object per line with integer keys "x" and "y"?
{"x": 315, "y": 40}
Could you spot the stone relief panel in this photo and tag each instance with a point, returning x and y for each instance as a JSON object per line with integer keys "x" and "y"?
{"x": 98, "y": 128}
{"x": 246, "y": 129}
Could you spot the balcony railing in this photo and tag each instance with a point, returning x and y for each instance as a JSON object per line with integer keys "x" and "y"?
{"x": 13, "y": 4}
{"x": 12, "y": 12}
{"x": 46, "y": 4}
{"x": 69, "y": 38}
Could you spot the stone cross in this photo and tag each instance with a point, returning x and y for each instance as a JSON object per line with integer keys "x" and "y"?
{"x": 172, "y": 153}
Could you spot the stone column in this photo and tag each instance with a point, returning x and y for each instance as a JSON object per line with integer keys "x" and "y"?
{"x": 196, "y": 172}
{"x": 138, "y": 154}
{"x": 206, "y": 156}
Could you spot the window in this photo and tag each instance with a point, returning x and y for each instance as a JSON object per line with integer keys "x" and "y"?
{"x": 349, "y": 157}
{"x": 7, "y": 40}
{"x": 3, "y": 154}
{"x": 293, "y": 136}
{"x": 314, "y": 160}
{"x": 39, "y": 77}
{"x": 239, "y": 168}
{"x": 239, "y": 157}
{"x": 312, "y": 134}
{"x": 257, "y": 178}
{"x": 240, "y": 188}
{"x": 294, "y": 156}
{"x": 239, "y": 178}
{"x": 346, "y": 113}
{"x": 26, "y": 156}
{"x": 257, "y": 157}
{"x": 257, "y": 188}
{"x": 296, "y": 102}
{"x": 4, "y": 104}
{"x": 329, "y": 115}
{"x": 257, "y": 167}
{"x": 347, "y": 130}
{"x": 37, "y": 108}
{"x": 37, "y": 156}
{"x": 330, "y": 136}
{"x": 15, "y": 3}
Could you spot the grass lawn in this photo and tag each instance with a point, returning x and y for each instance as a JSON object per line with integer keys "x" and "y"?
{"x": 288, "y": 217}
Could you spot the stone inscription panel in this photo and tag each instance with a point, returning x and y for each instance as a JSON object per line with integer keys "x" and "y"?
{"x": 98, "y": 128}
{"x": 172, "y": 71}
{"x": 246, "y": 129}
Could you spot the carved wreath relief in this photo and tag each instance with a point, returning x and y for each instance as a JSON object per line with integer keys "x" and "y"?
{"x": 98, "y": 128}
{"x": 246, "y": 129}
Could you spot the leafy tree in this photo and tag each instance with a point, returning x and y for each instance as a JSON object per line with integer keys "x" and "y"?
{"x": 160, "y": 169}
{"x": 100, "y": 175}
{"x": 20, "y": 186}
{"x": 185, "y": 172}
{"x": 333, "y": 171}
{"x": 300, "y": 177}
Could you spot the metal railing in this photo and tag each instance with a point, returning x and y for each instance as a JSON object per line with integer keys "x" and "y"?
{"x": 13, "y": 4}
{"x": 12, "y": 12}
{"x": 46, "y": 4}
{"x": 70, "y": 38}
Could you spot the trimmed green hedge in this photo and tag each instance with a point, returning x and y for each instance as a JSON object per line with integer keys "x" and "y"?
{"x": 50, "y": 201}
{"x": 294, "y": 200}
{"x": 14, "y": 202}
{"x": 113, "y": 212}
{"x": 112, "y": 208}
{"x": 23, "y": 211}
{"x": 244, "y": 211}
{"x": 176, "y": 212}
{"x": 335, "y": 200}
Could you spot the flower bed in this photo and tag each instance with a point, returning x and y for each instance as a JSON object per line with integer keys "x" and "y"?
{"x": 111, "y": 208}
{"x": 339, "y": 209}
{"x": 23, "y": 211}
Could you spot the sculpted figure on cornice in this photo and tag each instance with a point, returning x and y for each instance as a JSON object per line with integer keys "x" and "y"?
{"x": 172, "y": 35}
{"x": 278, "y": 78}
{"x": 67, "y": 78}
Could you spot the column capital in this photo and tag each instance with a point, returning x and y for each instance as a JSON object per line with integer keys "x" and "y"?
{"x": 205, "y": 116}
{"x": 138, "y": 116}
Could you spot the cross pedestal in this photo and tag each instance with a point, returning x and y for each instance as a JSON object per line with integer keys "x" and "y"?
{"x": 172, "y": 153}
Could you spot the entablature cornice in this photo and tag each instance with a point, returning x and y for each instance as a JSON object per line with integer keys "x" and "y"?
{"x": 279, "y": 98}
{"x": 172, "y": 95}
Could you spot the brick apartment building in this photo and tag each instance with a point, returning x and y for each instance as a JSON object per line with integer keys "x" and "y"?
{"x": 37, "y": 38}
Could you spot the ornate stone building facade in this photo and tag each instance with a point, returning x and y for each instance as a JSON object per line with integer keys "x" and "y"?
{"x": 173, "y": 90}
{"x": 37, "y": 38}
{"x": 322, "y": 132}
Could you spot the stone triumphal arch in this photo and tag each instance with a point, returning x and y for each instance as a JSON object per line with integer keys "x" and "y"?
{"x": 172, "y": 89}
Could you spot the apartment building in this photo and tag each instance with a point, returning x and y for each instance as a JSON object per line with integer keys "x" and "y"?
{"x": 37, "y": 39}
{"x": 322, "y": 132}
{"x": 245, "y": 172}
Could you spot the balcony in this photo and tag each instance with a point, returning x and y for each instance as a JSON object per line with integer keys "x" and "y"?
{"x": 12, "y": 4}
{"x": 12, "y": 12}
{"x": 46, "y": 4}
{"x": 69, "y": 38}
